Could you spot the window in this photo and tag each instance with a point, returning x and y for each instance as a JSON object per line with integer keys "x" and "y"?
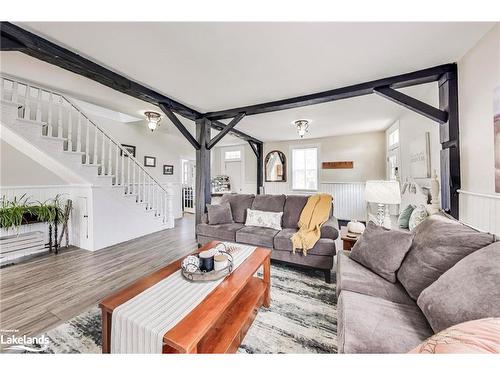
{"x": 305, "y": 168}
{"x": 232, "y": 155}
{"x": 393, "y": 139}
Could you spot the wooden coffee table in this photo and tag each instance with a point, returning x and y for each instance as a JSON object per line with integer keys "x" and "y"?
{"x": 219, "y": 323}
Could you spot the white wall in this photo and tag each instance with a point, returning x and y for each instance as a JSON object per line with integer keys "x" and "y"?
{"x": 478, "y": 76}
{"x": 18, "y": 169}
{"x": 167, "y": 146}
{"x": 412, "y": 125}
{"x": 249, "y": 167}
{"x": 366, "y": 150}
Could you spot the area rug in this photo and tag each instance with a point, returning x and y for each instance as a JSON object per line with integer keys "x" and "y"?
{"x": 302, "y": 318}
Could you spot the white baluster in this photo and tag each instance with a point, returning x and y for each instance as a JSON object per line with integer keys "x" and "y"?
{"x": 79, "y": 133}
{"x": 59, "y": 119}
{"x": 39, "y": 106}
{"x": 134, "y": 187}
{"x": 87, "y": 142}
{"x": 110, "y": 157}
{"x": 94, "y": 159}
{"x": 103, "y": 154}
{"x": 116, "y": 165}
{"x": 129, "y": 179}
{"x": 49, "y": 116}
{"x": 15, "y": 92}
{"x": 70, "y": 129}
{"x": 123, "y": 167}
{"x": 27, "y": 103}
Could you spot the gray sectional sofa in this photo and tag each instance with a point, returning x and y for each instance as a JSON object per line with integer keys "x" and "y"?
{"x": 319, "y": 257}
{"x": 450, "y": 275}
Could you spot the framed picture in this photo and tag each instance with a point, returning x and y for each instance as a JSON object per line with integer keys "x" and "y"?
{"x": 149, "y": 161}
{"x": 130, "y": 149}
{"x": 168, "y": 169}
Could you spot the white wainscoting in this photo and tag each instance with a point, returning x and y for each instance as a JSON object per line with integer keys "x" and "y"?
{"x": 348, "y": 197}
{"x": 42, "y": 193}
{"x": 481, "y": 211}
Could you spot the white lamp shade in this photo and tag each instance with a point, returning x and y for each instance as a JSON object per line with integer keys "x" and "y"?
{"x": 384, "y": 192}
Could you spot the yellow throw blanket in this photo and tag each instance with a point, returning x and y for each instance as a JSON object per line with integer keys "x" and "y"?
{"x": 314, "y": 214}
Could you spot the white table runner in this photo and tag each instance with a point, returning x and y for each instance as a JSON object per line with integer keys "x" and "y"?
{"x": 138, "y": 325}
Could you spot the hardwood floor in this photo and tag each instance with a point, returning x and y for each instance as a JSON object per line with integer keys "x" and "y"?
{"x": 42, "y": 293}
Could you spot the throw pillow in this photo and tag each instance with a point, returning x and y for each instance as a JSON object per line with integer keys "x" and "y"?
{"x": 418, "y": 215}
{"x": 382, "y": 250}
{"x": 264, "y": 219}
{"x": 219, "y": 214}
{"x": 439, "y": 243}
{"x": 239, "y": 204}
{"x": 477, "y": 336}
{"x": 404, "y": 216}
{"x": 467, "y": 291}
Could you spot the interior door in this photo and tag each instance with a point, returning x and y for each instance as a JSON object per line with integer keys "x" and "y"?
{"x": 233, "y": 170}
{"x": 188, "y": 180}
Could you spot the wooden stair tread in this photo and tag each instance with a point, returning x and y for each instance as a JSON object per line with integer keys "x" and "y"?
{"x": 231, "y": 327}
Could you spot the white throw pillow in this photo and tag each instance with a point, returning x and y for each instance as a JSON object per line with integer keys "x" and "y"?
{"x": 418, "y": 215}
{"x": 264, "y": 219}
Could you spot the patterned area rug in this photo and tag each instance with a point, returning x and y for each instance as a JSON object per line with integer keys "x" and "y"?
{"x": 302, "y": 319}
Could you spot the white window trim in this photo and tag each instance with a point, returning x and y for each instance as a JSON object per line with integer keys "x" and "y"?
{"x": 290, "y": 153}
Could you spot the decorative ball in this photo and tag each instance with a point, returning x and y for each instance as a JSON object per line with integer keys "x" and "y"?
{"x": 191, "y": 263}
{"x": 355, "y": 227}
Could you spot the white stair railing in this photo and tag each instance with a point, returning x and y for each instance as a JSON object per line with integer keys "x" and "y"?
{"x": 63, "y": 119}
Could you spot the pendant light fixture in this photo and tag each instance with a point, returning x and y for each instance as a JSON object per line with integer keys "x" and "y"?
{"x": 302, "y": 127}
{"x": 153, "y": 118}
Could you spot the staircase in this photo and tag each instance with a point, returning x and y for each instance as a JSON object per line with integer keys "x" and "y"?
{"x": 57, "y": 127}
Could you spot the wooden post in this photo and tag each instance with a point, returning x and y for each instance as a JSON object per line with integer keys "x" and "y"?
{"x": 260, "y": 166}
{"x": 449, "y": 138}
{"x": 203, "y": 185}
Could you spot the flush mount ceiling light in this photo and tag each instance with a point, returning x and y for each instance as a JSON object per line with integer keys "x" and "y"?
{"x": 302, "y": 127}
{"x": 153, "y": 118}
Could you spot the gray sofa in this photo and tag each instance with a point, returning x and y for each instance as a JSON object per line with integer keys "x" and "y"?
{"x": 320, "y": 257}
{"x": 449, "y": 275}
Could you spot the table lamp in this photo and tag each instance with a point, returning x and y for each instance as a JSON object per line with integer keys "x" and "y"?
{"x": 383, "y": 193}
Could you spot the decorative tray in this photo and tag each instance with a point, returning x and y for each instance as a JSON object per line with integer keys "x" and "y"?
{"x": 191, "y": 266}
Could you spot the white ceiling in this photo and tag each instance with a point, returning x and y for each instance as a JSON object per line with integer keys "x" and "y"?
{"x": 214, "y": 66}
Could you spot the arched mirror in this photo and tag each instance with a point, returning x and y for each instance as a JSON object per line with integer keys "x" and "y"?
{"x": 275, "y": 166}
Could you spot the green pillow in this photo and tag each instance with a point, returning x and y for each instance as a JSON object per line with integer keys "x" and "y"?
{"x": 404, "y": 216}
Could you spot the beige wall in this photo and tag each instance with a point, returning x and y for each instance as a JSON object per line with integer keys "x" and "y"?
{"x": 17, "y": 169}
{"x": 478, "y": 76}
{"x": 366, "y": 150}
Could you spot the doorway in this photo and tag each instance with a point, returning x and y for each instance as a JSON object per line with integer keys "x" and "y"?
{"x": 188, "y": 181}
{"x": 232, "y": 166}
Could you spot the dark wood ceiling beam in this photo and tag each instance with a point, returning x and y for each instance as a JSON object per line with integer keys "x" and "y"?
{"x": 237, "y": 133}
{"x": 180, "y": 126}
{"x": 15, "y": 38}
{"x": 366, "y": 88}
{"x": 226, "y": 130}
{"x": 253, "y": 146}
{"x": 52, "y": 53}
{"x": 10, "y": 44}
{"x": 413, "y": 104}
